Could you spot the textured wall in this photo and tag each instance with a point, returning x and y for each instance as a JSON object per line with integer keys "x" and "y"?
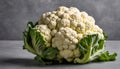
{"x": 14, "y": 14}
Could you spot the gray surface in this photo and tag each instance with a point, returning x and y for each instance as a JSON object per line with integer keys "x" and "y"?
{"x": 14, "y": 14}
{"x": 12, "y": 56}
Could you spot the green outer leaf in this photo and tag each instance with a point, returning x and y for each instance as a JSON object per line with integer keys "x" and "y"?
{"x": 105, "y": 35}
{"x": 85, "y": 58}
{"x": 50, "y": 53}
{"x": 38, "y": 41}
{"x": 90, "y": 46}
{"x": 30, "y": 24}
{"x": 41, "y": 61}
{"x": 26, "y": 43}
{"x": 105, "y": 56}
{"x": 35, "y": 43}
{"x": 49, "y": 56}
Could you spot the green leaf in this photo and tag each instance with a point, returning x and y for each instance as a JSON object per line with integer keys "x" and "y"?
{"x": 27, "y": 39}
{"x": 34, "y": 42}
{"x": 49, "y": 56}
{"x": 90, "y": 46}
{"x": 30, "y": 24}
{"x": 41, "y": 61}
{"x": 105, "y": 35}
{"x": 105, "y": 56}
{"x": 50, "y": 53}
{"x": 38, "y": 41}
{"x": 27, "y": 45}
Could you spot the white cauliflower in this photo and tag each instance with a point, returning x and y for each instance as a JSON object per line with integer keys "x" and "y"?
{"x": 63, "y": 29}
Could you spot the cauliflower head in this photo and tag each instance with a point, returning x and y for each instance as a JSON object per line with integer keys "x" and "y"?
{"x": 64, "y": 35}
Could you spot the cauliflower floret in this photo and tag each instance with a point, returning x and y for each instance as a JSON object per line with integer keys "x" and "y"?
{"x": 65, "y": 40}
{"x": 89, "y": 32}
{"x": 79, "y": 36}
{"x": 84, "y": 14}
{"x": 65, "y": 16}
{"x": 74, "y": 9}
{"x": 76, "y": 53}
{"x": 52, "y": 25}
{"x": 80, "y": 27}
{"x": 97, "y": 29}
{"x": 45, "y": 31}
{"x": 87, "y": 19}
{"x": 63, "y": 23}
{"x": 62, "y": 8}
{"x": 73, "y": 24}
{"x": 53, "y": 32}
{"x": 67, "y": 54}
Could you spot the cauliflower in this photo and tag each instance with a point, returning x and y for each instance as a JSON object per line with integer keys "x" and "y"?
{"x": 65, "y": 34}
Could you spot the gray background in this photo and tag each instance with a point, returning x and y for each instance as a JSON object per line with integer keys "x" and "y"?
{"x": 14, "y": 14}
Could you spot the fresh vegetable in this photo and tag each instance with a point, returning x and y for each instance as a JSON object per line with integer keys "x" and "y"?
{"x": 66, "y": 35}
